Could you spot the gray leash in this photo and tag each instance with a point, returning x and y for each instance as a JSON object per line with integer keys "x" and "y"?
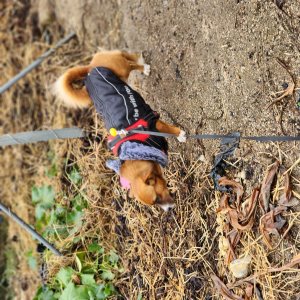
{"x": 37, "y": 62}
{"x": 41, "y": 136}
{"x": 24, "y": 225}
{"x": 270, "y": 138}
{"x": 45, "y": 135}
{"x": 75, "y": 132}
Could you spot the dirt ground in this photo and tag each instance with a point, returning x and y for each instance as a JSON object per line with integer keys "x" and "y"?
{"x": 215, "y": 66}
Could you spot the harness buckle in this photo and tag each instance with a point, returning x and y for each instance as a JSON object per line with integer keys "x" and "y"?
{"x": 119, "y": 135}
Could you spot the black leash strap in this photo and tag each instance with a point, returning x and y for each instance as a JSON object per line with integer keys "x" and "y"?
{"x": 271, "y": 138}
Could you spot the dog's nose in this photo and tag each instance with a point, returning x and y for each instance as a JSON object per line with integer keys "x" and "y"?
{"x": 167, "y": 206}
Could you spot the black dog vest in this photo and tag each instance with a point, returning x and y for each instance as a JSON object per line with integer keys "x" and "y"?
{"x": 122, "y": 108}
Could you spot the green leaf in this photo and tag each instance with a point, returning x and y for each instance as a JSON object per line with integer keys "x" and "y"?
{"x": 31, "y": 260}
{"x": 65, "y": 275}
{"x": 140, "y": 296}
{"x": 44, "y": 195}
{"x": 94, "y": 247}
{"x": 75, "y": 176}
{"x": 103, "y": 291}
{"x": 78, "y": 263}
{"x": 79, "y": 202}
{"x": 74, "y": 217}
{"x": 113, "y": 257}
{"x": 59, "y": 210}
{"x": 91, "y": 295}
{"x": 72, "y": 292}
{"x": 107, "y": 275}
{"x": 52, "y": 171}
{"x": 44, "y": 294}
{"x": 35, "y": 195}
{"x": 87, "y": 279}
{"x": 76, "y": 240}
{"x": 39, "y": 211}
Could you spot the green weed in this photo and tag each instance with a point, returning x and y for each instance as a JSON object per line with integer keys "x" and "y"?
{"x": 60, "y": 217}
{"x": 52, "y": 171}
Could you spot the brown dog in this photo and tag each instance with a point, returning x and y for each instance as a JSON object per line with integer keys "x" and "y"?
{"x": 141, "y": 156}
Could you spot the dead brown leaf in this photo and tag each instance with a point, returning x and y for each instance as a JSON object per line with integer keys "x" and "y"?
{"x": 237, "y": 188}
{"x": 249, "y": 291}
{"x": 233, "y": 239}
{"x": 268, "y": 224}
{"x": 238, "y": 218}
{"x": 290, "y": 90}
{"x": 291, "y": 264}
{"x": 265, "y": 192}
{"x": 223, "y": 289}
{"x": 248, "y": 206}
{"x": 286, "y": 198}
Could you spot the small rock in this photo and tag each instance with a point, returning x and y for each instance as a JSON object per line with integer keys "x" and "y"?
{"x": 202, "y": 158}
{"x": 240, "y": 267}
{"x": 242, "y": 175}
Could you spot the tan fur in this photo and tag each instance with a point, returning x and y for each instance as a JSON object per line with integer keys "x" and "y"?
{"x": 147, "y": 182}
{"x": 63, "y": 88}
{"x": 121, "y": 63}
{"x": 145, "y": 177}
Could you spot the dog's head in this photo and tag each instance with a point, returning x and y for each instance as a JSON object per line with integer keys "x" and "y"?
{"x": 147, "y": 183}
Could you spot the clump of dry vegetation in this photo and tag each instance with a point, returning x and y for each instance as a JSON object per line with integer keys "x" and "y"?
{"x": 175, "y": 255}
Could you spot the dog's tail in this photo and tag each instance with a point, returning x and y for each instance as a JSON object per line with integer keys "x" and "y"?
{"x": 64, "y": 87}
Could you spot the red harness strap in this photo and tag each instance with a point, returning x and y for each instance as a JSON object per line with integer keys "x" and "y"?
{"x": 136, "y": 136}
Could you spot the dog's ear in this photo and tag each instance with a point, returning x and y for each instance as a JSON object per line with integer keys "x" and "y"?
{"x": 143, "y": 192}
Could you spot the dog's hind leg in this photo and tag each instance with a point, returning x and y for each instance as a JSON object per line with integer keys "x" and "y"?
{"x": 134, "y": 57}
{"x": 167, "y": 128}
{"x": 137, "y": 62}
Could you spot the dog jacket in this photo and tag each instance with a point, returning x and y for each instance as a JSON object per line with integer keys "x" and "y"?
{"x": 122, "y": 108}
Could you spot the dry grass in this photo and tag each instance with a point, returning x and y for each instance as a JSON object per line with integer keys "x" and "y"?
{"x": 165, "y": 255}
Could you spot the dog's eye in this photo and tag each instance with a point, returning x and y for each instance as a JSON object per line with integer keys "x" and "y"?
{"x": 150, "y": 181}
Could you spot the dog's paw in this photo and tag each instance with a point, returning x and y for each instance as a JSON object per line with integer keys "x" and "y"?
{"x": 147, "y": 69}
{"x": 182, "y": 137}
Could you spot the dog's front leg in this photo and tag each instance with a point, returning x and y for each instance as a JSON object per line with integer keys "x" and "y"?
{"x": 166, "y": 128}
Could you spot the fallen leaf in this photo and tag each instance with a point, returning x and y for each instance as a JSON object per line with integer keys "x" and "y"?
{"x": 233, "y": 238}
{"x": 249, "y": 291}
{"x": 268, "y": 224}
{"x": 248, "y": 206}
{"x": 286, "y": 198}
{"x": 235, "y": 213}
{"x": 234, "y": 216}
{"x": 289, "y": 91}
{"x": 237, "y": 188}
{"x": 292, "y": 263}
{"x": 265, "y": 191}
{"x": 223, "y": 289}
